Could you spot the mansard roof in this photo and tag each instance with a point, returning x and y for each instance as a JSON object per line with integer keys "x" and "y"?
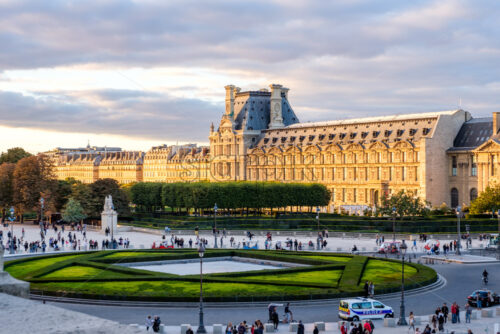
{"x": 473, "y": 133}
{"x": 363, "y": 131}
{"x": 252, "y": 110}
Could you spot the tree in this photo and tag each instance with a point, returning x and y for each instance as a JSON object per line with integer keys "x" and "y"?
{"x": 102, "y": 188}
{"x": 73, "y": 211}
{"x": 405, "y": 202}
{"x": 32, "y": 178}
{"x": 488, "y": 200}
{"x": 13, "y": 155}
{"x": 6, "y": 186}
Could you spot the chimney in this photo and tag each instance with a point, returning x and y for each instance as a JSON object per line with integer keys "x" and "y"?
{"x": 276, "y": 114}
{"x": 496, "y": 122}
{"x": 230, "y": 92}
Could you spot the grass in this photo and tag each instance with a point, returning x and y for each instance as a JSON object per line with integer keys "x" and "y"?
{"x": 323, "y": 277}
{"x": 84, "y": 272}
{"x": 93, "y": 275}
{"x": 21, "y": 269}
{"x": 381, "y": 272}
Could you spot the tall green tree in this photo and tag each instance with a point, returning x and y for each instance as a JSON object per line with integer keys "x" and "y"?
{"x": 32, "y": 178}
{"x": 102, "y": 188}
{"x": 6, "y": 187}
{"x": 405, "y": 203}
{"x": 73, "y": 211}
{"x": 13, "y": 155}
{"x": 488, "y": 200}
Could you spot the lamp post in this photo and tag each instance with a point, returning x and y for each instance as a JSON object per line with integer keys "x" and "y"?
{"x": 215, "y": 225}
{"x": 201, "y": 251}
{"x": 402, "y": 318}
{"x": 393, "y": 223}
{"x": 317, "y": 216}
{"x": 11, "y": 241}
{"x": 458, "y": 230}
{"x": 498, "y": 238}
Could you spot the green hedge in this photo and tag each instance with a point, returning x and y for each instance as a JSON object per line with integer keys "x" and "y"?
{"x": 275, "y": 288}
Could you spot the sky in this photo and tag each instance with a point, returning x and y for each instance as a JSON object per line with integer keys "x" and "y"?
{"x": 135, "y": 74}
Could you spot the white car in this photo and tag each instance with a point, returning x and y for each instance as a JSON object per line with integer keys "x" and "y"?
{"x": 356, "y": 309}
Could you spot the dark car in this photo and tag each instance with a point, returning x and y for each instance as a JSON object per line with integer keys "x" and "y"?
{"x": 483, "y": 296}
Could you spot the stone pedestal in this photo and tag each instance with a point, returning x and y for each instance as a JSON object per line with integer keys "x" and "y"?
{"x": 109, "y": 217}
{"x": 12, "y": 286}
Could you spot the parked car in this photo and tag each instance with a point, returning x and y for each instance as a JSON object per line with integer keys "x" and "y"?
{"x": 483, "y": 295}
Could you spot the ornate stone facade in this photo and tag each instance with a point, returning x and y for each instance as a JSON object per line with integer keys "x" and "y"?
{"x": 442, "y": 157}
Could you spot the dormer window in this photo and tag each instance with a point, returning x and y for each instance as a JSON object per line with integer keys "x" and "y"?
{"x": 311, "y": 137}
{"x": 375, "y": 134}
{"x": 275, "y": 140}
{"x": 400, "y": 132}
{"x": 321, "y": 137}
{"x": 412, "y": 132}
{"x": 387, "y": 133}
{"x": 352, "y": 135}
{"x": 342, "y": 136}
{"x": 301, "y": 138}
{"x": 426, "y": 131}
{"x": 292, "y": 139}
{"x": 266, "y": 140}
{"x": 364, "y": 134}
{"x": 331, "y": 136}
{"x": 283, "y": 139}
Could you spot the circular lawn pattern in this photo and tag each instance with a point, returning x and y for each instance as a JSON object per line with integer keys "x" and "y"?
{"x": 99, "y": 275}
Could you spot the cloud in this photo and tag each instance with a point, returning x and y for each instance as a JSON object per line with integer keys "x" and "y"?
{"x": 130, "y": 113}
{"x": 349, "y": 57}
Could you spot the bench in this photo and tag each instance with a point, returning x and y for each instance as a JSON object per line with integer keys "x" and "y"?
{"x": 217, "y": 329}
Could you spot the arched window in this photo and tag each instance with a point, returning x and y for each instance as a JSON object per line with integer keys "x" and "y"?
{"x": 454, "y": 197}
{"x": 473, "y": 194}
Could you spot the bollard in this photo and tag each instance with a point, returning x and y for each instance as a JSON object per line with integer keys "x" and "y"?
{"x": 320, "y": 325}
{"x": 163, "y": 329}
{"x": 217, "y": 329}
{"x": 389, "y": 322}
{"x": 268, "y": 328}
{"x": 487, "y": 313}
{"x": 474, "y": 315}
{"x": 292, "y": 328}
{"x": 184, "y": 328}
{"x": 498, "y": 311}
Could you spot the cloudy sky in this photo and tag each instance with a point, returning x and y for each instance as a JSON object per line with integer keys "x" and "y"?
{"x": 141, "y": 73}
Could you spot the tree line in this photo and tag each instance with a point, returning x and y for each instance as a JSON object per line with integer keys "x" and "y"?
{"x": 151, "y": 196}
{"x": 25, "y": 179}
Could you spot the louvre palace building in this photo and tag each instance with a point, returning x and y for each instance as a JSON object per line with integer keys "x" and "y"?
{"x": 442, "y": 157}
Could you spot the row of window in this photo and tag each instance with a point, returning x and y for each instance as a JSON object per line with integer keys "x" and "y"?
{"x": 455, "y": 200}
{"x": 473, "y": 165}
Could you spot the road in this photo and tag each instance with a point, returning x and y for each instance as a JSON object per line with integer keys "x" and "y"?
{"x": 461, "y": 280}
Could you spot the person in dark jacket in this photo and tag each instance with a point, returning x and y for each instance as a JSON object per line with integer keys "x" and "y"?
{"x": 275, "y": 318}
{"x": 316, "y": 330}
{"x": 300, "y": 327}
{"x": 156, "y": 324}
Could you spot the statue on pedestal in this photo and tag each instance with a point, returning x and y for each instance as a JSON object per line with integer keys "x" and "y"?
{"x": 109, "y": 217}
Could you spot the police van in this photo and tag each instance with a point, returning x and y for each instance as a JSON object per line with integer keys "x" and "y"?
{"x": 356, "y": 309}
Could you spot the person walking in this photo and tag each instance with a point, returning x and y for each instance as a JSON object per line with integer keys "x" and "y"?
{"x": 288, "y": 314}
{"x": 343, "y": 328}
{"x": 366, "y": 288}
{"x": 441, "y": 321}
{"x": 275, "y": 319}
{"x": 468, "y": 312}
{"x": 445, "y": 311}
{"x": 300, "y": 327}
{"x": 315, "y": 330}
{"x": 371, "y": 289}
{"x": 411, "y": 320}
{"x": 149, "y": 322}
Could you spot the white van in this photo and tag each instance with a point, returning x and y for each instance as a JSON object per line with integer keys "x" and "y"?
{"x": 356, "y": 309}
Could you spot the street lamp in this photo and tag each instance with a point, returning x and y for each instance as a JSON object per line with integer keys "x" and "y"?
{"x": 402, "y": 318}
{"x": 317, "y": 216}
{"x": 11, "y": 241}
{"x": 201, "y": 251}
{"x": 215, "y": 225}
{"x": 393, "y": 223}
{"x": 458, "y": 230}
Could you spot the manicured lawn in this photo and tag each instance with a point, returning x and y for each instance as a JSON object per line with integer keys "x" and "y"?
{"x": 322, "y": 277}
{"x": 20, "y": 269}
{"x": 83, "y": 271}
{"x": 383, "y": 272}
{"x": 175, "y": 288}
{"x": 326, "y": 276}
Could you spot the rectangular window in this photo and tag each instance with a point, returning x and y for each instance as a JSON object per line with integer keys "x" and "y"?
{"x": 333, "y": 195}
{"x": 343, "y": 173}
{"x": 390, "y": 173}
{"x": 333, "y": 173}
{"x": 354, "y": 173}
{"x": 366, "y": 173}
{"x": 493, "y": 165}
{"x": 378, "y": 173}
{"x": 403, "y": 173}
{"x": 343, "y": 194}
{"x": 416, "y": 173}
{"x": 379, "y": 157}
{"x": 404, "y": 156}
{"x": 354, "y": 195}
{"x": 390, "y": 157}
{"x": 473, "y": 169}
{"x": 453, "y": 166}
